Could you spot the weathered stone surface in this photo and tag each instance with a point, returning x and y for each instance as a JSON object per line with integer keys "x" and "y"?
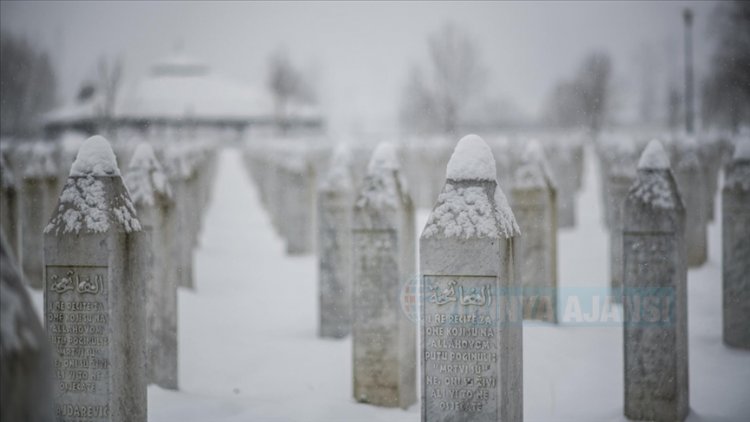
{"x": 94, "y": 294}
{"x": 691, "y": 180}
{"x": 471, "y": 338}
{"x": 26, "y": 372}
{"x": 384, "y": 339}
{"x": 655, "y": 295}
{"x": 619, "y": 185}
{"x": 534, "y": 203}
{"x": 152, "y": 195}
{"x": 335, "y": 199}
{"x": 736, "y": 249}
{"x": 179, "y": 171}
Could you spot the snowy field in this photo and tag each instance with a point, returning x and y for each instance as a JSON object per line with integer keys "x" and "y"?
{"x": 249, "y": 351}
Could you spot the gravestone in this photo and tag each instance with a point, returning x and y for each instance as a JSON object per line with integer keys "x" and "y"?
{"x": 384, "y": 339}
{"x": 26, "y": 372}
{"x": 535, "y": 207}
{"x": 94, "y": 295}
{"x": 335, "y": 199}
{"x": 179, "y": 173}
{"x": 471, "y": 345}
{"x": 152, "y": 196}
{"x": 691, "y": 180}
{"x": 736, "y": 248}
{"x": 655, "y": 294}
{"x": 621, "y": 177}
{"x": 9, "y": 217}
{"x": 39, "y": 185}
{"x": 562, "y": 164}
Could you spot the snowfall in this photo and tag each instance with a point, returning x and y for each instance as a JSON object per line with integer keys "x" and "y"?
{"x": 249, "y": 350}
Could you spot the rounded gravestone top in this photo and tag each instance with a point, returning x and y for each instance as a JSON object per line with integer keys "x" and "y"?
{"x": 654, "y": 157}
{"x": 383, "y": 158}
{"x": 144, "y": 157}
{"x": 472, "y": 160}
{"x": 96, "y": 158}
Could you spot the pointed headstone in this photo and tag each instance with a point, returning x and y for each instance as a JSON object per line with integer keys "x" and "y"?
{"x": 535, "y": 207}
{"x": 384, "y": 339}
{"x": 94, "y": 293}
{"x": 736, "y": 248}
{"x": 470, "y": 343}
{"x": 335, "y": 199}
{"x": 691, "y": 180}
{"x": 152, "y": 196}
{"x": 655, "y": 294}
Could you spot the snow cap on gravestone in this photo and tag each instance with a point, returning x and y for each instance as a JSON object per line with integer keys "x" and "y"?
{"x": 472, "y": 160}
{"x": 383, "y": 158}
{"x": 534, "y": 169}
{"x": 95, "y": 158}
{"x": 466, "y": 212}
{"x": 339, "y": 170}
{"x": 88, "y": 204}
{"x": 146, "y": 179}
{"x": 654, "y": 157}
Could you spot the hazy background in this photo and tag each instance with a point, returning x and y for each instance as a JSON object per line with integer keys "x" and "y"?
{"x": 358, "y": 54}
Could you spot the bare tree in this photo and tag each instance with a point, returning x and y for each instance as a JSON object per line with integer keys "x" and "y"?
{"x": 726, "y": 91}
{"x": 456, "y": 76}
{"x": 287, "y": 85}
{"x": 586, "y": 99}
{"x": 28, "y": 85}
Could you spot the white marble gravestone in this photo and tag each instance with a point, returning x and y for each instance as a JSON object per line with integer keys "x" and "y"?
{"x": 655, "y": 294}
{"x": 335, "y": 201}
{"x": 94, "y": 293}
{"x": 736, "y": 248}
{"x": 384, "y": 339}
{"x": 691, "y": 179}
{"x": 26, "y": 371}
{"x": 471, "y": 331}
{"x": 152, "y": 196}
{"x": 534, "y": 200}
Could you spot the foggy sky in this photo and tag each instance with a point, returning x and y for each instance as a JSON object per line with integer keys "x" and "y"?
{"x": 360, "y": 53}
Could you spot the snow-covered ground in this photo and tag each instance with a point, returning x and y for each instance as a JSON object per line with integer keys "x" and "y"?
{"x": 249, "y": 351}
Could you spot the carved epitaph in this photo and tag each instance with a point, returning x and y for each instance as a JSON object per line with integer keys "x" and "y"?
{"x": 470, "y": 347}
{"x": 736, "y": 249}
{"x": 384, "y": 339}
{"x": 94, "y": 293}
{"x": 654, "y": 277}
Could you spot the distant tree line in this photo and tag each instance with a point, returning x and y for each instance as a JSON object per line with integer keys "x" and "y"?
{"x": 28, "y": 86}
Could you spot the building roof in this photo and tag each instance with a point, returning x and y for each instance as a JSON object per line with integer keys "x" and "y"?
{"x": 179, "y": 87}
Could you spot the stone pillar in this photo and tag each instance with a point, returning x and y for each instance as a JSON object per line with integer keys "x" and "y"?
{"x": 621, "y": 178}
{"x": 39, "y": 182}
{"x": 152, "y": 196}
{"x": 9, "y": 217}
{"x": 384, "y": 339}
{"x": 179, "y": 172}
{"x": 691, "y": 179}
{"x": 94, "y": 295}
{"x": 655, "y": 294}
{"x": 736, "y": 248}
{"x": 534, "y": 201}
{"x": 468, "y": 265}
{"x": 26, "y": 372}
{"x": 335, "y": 200}
{"x": 562, "y": 163}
